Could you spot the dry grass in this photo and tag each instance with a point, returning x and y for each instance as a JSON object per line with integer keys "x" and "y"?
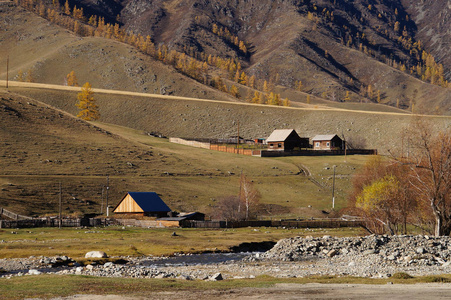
{"x": 129, "y": 241}
{"x": 51, "y": 286}
{"x": 43, "y": 147}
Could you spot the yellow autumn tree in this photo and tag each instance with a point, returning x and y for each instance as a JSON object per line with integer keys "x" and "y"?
{"x": 86, "y": 103}
{"x": 71, "y": 79}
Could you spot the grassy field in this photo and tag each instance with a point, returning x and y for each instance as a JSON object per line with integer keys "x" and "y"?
{"x": 50, "y": 286}
{"x": 43, "y": 147}
{"x": 129, "y": 241}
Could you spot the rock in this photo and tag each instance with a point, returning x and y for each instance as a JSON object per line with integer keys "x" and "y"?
{"x": 216, "y": 277}
{"x": 391, "y": 257}
{"x": 332, "y": 253}
{"x": 420, "y": 250}
{"x": 34, "y": 272}
{"x": 108, "y": 264}
{"x": 96, "y": 254}
{"x": 368, "y": 252}
{"x": 78, "y": 270}
{"x": 89, "y": 267}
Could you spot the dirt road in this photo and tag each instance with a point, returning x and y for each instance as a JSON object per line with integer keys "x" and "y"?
{"x": 301, "y": 291}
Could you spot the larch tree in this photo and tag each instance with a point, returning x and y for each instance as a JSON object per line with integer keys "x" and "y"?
{"x": 86, "y": 103}
{"x": 71, "y": 79}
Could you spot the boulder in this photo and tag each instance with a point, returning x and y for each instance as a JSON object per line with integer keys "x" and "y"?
{"x": 96, "y": 254}
{"x": 332, "y": 253}
{"x": 34, "y": 272}
{"x": 216, "y": 277}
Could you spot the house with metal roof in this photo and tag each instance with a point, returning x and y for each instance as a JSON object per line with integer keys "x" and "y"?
{"x": 286, "y": 140}
{"x": 327, "y": 142}
{"x": 142, "y": 203}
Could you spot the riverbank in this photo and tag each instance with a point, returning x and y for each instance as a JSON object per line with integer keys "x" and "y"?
{"x": 368, "y": 257}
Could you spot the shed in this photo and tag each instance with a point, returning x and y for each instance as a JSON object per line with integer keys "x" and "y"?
{"x": 327, "y": 142}
{"x": 142, "y": 203}
{"x": 286, "y": 140}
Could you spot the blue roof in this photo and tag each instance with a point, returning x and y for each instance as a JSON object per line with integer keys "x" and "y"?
{"x": 149, "y": 201}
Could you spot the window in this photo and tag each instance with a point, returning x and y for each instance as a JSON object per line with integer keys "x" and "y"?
{"x": 317, "y": 144}
{"x": 328, "y": 144}
{"x": 279, "y": 145}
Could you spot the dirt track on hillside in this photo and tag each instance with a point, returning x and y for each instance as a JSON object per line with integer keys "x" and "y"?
{"x": 126, "y": 93}
{"x": 300, "y": 291}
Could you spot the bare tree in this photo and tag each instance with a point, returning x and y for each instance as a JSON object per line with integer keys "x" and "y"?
{"x": 229, "y": 208}
{"x": 249, "y": 197}
{"x": 430, "y": 163}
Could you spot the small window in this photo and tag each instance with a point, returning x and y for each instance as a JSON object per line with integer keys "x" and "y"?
{"x": 279, "y": 145}
{"x": 328, "y": 144}
{"x": 317, "y": 144}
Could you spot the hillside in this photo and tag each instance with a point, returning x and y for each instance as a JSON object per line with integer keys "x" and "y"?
{"x": 292, "y": 50}
{"x": 42, "y": 146}
{"x": 193, "y": 118}
{"x": 331, "y": 46}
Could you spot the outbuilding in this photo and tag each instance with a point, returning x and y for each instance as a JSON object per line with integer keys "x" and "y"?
{"x": 286, "y": 140}
{"x": 327, "y": 142}
{"x": 142, "y": 204}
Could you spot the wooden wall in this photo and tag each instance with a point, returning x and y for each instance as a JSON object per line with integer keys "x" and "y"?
{"x": 128, "y": 205}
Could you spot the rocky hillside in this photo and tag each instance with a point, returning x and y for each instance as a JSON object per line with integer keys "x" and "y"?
{"x": 332, "y": 47}
{"x": 432, "y": 19}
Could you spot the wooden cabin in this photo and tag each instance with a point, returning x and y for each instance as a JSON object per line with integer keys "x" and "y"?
{"x": 327, "y": 142}
{"x": 286, "y": 140}
{"x": 142, "y": 204}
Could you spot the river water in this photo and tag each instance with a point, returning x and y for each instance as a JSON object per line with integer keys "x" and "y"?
{"x": 197, "y": 259}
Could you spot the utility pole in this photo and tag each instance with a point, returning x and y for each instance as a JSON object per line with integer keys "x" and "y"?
{"x": 238, "y": 139}
{"x": 107, "y": 188}
{"x": 60, "y": 221}
{"x": 7, "y": 70}
{"x": 101, "y": 203}
{"x": 333, "y": 191}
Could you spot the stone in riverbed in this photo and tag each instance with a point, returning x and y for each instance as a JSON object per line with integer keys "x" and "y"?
{"x": 96, "y": 254}
{"x": 34, "y": 272}
{"x": 216, "y": 277}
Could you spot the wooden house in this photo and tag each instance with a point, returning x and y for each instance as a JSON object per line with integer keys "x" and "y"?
{"x": 143, "y": 204}
{"x": 286, "y": 140}
{"x": 327, "y": 142}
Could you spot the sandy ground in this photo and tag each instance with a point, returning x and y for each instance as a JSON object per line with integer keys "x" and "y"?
{"x": 302, "y": 291}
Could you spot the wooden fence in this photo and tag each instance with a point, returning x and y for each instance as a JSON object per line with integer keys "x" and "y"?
{"x": 332, "y": 223}
{"x": 13, "y": 216}
{"x": 99, "y": 222}
{"x": 191, "y": 143}
{"x": 232, "y": 149}
{"x": 54, "y": 222}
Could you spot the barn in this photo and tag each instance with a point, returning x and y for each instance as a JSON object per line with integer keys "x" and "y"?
{"x": 142, "y": 204}
{"x": 286, "y": 140}
{"x": 327, "y": 142}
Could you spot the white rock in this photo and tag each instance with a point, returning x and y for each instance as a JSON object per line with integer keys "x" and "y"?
{"x": 96, "y": 254}
{"x": 34, "y": 272}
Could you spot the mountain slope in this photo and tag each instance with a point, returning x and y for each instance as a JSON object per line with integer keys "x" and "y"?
{"x": 331, "y": 46}
{"x": 50, "y": 52}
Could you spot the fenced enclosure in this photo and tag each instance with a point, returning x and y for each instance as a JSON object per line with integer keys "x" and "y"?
{"x": 321, "y": 223}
